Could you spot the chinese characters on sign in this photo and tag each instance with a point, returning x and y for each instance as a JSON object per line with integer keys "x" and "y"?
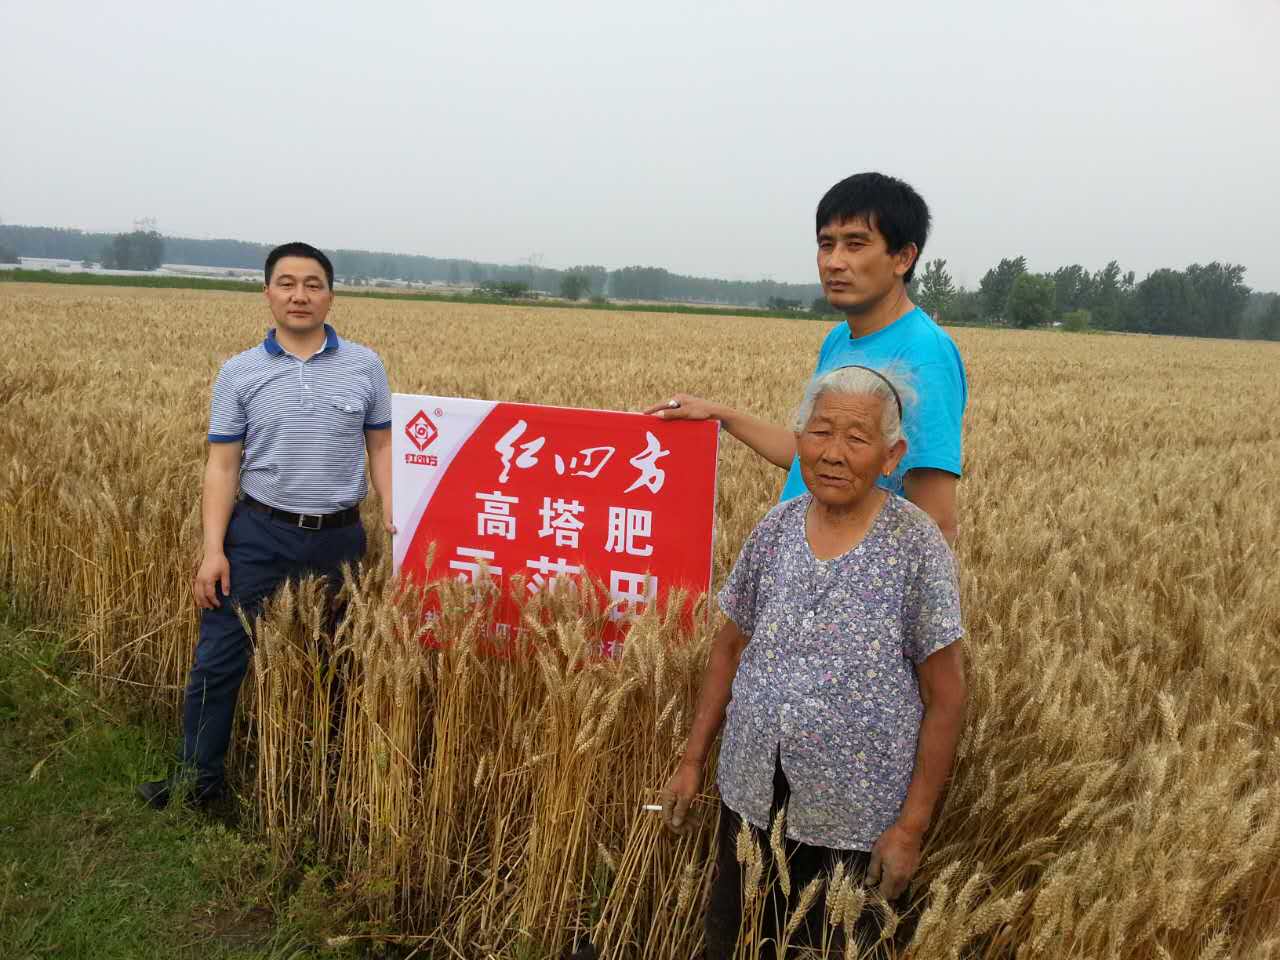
{"x": 627, "y": 531}
{"x": 557, "y": 496}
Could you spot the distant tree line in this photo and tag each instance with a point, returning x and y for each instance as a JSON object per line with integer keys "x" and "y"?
{"x": 365, "y": 267}
{"x": 656, "y": 283}
{"x": 1204, "y": 300}
{"x": 136, "y": 250}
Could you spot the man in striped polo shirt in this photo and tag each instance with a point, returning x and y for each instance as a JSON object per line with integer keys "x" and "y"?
{"x": 292, "y": 420}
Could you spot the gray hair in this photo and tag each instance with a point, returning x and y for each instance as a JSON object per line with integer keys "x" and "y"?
{"x": 862, "y": 381}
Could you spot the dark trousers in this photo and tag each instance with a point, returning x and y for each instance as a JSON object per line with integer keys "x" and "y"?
{"x": 263, "y": 554}
{"x": 804, "y": 862}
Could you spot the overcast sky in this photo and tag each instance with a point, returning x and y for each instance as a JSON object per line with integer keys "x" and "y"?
{"x": 692, "y": 135}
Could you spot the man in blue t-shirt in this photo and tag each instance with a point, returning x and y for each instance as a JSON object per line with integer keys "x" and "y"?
{"x": 871, "y": 230}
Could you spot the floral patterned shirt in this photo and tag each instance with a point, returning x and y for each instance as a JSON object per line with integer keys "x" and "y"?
{"x": 827, "y": 680}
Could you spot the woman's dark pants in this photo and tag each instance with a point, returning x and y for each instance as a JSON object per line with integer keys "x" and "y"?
{"x": 804, "y": 861}
{"x": 263, "y": 553}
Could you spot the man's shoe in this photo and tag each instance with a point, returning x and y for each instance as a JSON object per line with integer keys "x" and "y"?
{"x": 155, "y": 793}
{"x": 204, "y": 798}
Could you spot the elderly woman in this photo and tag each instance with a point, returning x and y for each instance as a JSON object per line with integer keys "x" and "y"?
{"x": 838, "y": 666}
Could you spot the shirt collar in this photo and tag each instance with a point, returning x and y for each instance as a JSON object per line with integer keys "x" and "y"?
{"x": 270, "y": 345}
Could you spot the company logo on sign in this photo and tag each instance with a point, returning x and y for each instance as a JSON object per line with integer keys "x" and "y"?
{"x": 421, "y": 433}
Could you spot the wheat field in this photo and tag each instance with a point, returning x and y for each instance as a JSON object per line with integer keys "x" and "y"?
{"x": 1117, "y": 792}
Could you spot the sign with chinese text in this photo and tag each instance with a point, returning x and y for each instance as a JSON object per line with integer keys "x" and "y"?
{"x": 553, "y": 492}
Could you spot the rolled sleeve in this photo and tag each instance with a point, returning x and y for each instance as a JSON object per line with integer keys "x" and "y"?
{"x": 931, "y": 606}
{"x": 933, "y": 427}
{"x": 227, "y": 421}
{"x": 379, "y": 416}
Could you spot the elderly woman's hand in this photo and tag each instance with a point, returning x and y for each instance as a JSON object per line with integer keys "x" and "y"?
{"x": 678, "y": 794}
{"x": 894, "y": 859}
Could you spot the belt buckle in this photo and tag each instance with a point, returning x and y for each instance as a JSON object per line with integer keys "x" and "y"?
{"x": 304, "y": 517}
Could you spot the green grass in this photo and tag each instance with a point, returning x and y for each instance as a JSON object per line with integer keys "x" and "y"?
{"x": 85, "y": 869}
{"x": 107, "y": 280}
{"x": 201, "y": 283}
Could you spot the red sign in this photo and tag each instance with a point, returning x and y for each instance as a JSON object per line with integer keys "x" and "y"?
{"x": 553, "y": 493}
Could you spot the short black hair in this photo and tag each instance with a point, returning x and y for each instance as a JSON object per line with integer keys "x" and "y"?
{"x": 297, "y": 249}
{"x": 890, "y": 205}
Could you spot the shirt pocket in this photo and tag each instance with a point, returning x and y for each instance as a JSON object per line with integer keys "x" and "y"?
{"x": 347, "y": 405}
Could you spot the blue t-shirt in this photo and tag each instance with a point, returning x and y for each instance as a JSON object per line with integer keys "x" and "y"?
{"x": 920, "y": 348}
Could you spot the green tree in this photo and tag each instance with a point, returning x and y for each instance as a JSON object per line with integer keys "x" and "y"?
{"x": 597, "y": 278}
{"x": 782, "y": 303}
{"x": 996, "y": 285}
{"x": 1073, "y": 288}
{"x": 964, "y": 307}
{"x": 511, "y": 289}
{"x": 139, "y": 250}
{"x": 1166, "y": 302}
{"x": 640, "y": 283}
{"x": 574, "y": 285}
{"x": 8, "y": 254}
{"x": 1106, "y": 297}
{"x": 1222, "y": 295}
{"x": 936, "y": 287}
{"x": 1030, "y": 302}
{"x": 822, "y": 308}
{"x": 1270, "y": 326}
{"x": 1254, "y": 311}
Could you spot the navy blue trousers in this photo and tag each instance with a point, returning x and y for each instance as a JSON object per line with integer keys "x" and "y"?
{"x": 263, "y": 554}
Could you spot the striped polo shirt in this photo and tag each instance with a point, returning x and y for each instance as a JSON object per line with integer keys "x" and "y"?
{"x": 302, "y": 422}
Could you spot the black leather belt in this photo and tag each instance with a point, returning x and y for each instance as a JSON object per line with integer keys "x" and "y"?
{"x": 306, "y": 521}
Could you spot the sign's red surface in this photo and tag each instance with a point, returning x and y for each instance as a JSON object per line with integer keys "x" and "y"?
{"x": 553, "y": 492}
